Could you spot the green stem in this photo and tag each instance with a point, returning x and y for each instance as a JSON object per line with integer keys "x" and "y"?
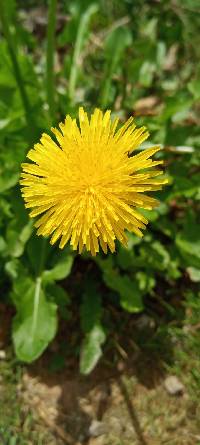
{"x": 16, "y": 67}
{"x": 83, "y": 25}
{"x": 50, "y": 58}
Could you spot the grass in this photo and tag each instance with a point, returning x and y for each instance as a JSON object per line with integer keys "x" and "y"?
{"x": 17, "y": 421}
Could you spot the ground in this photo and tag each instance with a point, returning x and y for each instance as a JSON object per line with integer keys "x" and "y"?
{"x": 123, "y": 401}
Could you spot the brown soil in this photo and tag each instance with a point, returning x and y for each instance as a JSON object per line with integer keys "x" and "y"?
{"x": 130, "y": 410}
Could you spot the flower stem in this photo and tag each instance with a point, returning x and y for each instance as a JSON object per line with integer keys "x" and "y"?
{"x": 15, "y": 64}
{"x": 50, "y": 58}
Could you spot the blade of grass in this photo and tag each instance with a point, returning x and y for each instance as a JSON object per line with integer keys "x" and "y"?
{"x": 50, "y": 83}
{"x": 115, "y": 47}
{"x": 16, "y": 67}
{"x": 82, "y": 28}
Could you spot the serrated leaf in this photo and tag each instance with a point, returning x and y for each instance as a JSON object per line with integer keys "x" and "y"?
{"x": 35, "y": 324}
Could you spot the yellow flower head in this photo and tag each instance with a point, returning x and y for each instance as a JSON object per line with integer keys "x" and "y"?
{"x": 87, "y": 186}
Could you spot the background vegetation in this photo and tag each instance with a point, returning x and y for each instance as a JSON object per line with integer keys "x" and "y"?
{"x": 136, "y": 58}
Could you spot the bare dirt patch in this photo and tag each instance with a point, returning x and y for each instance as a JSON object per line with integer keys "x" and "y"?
{"x": 110, "y": 407}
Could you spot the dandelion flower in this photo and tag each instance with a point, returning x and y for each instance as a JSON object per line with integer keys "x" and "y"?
{"x": 87, "y": 187}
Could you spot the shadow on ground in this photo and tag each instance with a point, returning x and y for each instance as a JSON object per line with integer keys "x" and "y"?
{"x": 110, "y": 404}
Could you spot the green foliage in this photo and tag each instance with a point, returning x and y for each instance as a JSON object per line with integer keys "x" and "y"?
{"x": 128, "y": 290}
{"x": 188, "y": 241}
{"x": 91, "y": 349}
{"x": 61, "y": 268}
{"x": 35, "y": 324}
{"x": 91, "y": 311}
{"x": 115, "y": 46}
{"x": 134, "y": 59}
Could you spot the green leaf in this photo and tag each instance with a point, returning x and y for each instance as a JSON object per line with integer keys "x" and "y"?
{"x": 91, "y": 349}
{"x": 185, "y": 187}
{"x": 61, "y": 269}
{"x": 146, "y": 73}
{"x": 7, "y": 181}
{"x": 59, "y": 295}
{"x": 188, "y": 243}
{"x": 194, "y": 274}
{"x": 14, "y": 268}
{"x": 16, "y": 240}
{"x": 61, "y": 298}
{"x": 175, "y": 105}
{"x": 115, "y": 46}
{"x": 91, "y": 309}
{"x": 83, "y": 27}
{"x": 91, "y": 312}
{"x": 155, "y": 255}
{"x": 130, "y": 294}
{"x": 3, "y": 246}
{"x": 37, "y": 244}
{"x": 146, "y": 281}
{"x": 35, "y": 324}
{"x": 194, "y": 88}
{"x": 125, "y": 258}
{"x": 10, "y": 8}
{"x": 150, "y": 29}
{"x": 161, "y": 54}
